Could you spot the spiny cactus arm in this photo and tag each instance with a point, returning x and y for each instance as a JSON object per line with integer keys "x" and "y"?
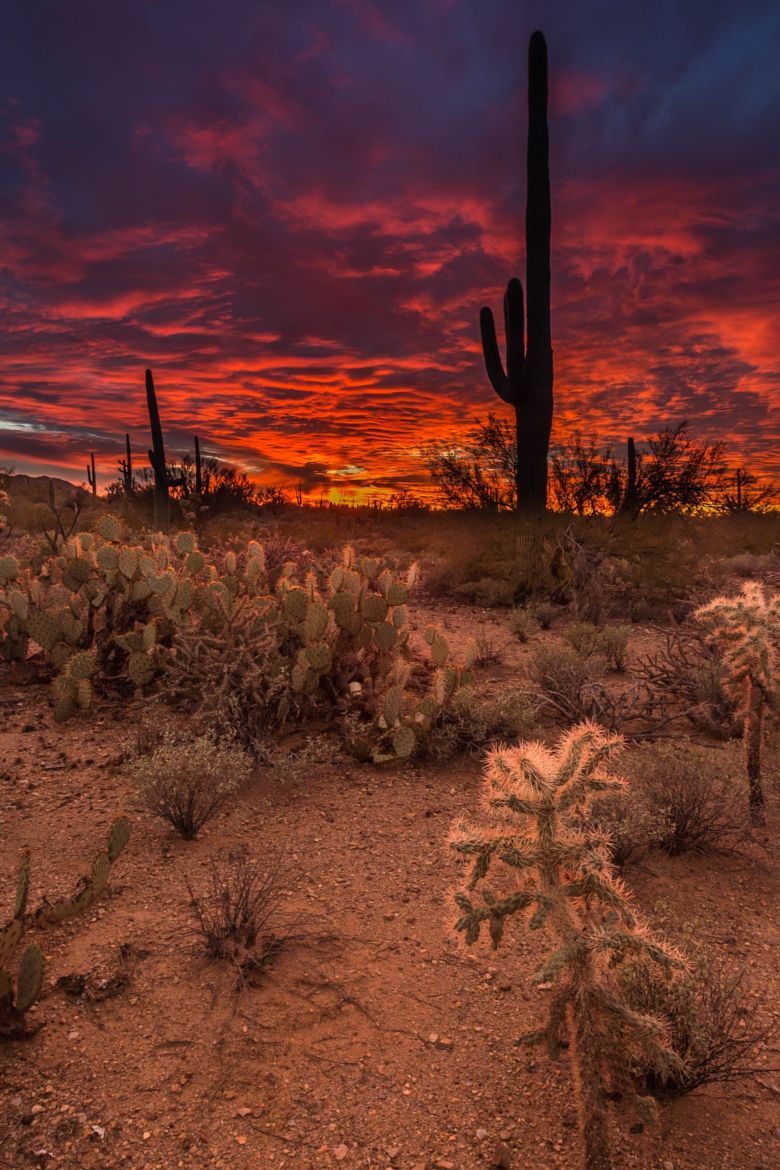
{"x": 618, "y": 943}
{"x": 556, "y": 963}
{"x": 494, "y": 911}
{"x": 582, "y": 752}
{"x": 22, "y": 884}
{"x": 649, "y": 1035}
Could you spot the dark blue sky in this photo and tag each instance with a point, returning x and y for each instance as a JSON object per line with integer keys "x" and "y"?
{"x": 295, "y": 218}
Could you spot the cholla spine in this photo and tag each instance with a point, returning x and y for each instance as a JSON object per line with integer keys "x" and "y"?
{"x": 535, "y": 803}
{"x": 747, "y": 626}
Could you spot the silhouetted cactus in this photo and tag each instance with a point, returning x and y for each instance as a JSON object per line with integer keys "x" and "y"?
{"x": 162, "y": 499}
{"x": 629, "y": 505}
{"x": 536, "y": 803}
{"x": 91, "y": 477}
{"x": 126, "y": 469}
{"x": 527, "y": 384}
{"x": 748, "y": 628}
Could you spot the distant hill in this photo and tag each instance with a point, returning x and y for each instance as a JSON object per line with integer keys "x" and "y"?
{"x": 36, "y": 487}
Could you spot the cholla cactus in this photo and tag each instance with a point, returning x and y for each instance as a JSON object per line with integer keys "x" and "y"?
{"x": 535, "y": 803}
{"x": 748, "y": 629}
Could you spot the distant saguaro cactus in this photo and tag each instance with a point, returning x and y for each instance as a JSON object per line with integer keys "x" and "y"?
{"x": 527, "y": 383}
{"x": 535, "y": 803}
{"x": 748, "y": 628}
{"x": 91, "y": 477}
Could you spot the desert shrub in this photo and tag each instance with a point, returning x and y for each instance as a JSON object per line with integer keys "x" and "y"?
{"x": 545, "y": 613}
{"x": 613, "y": 644}
{"x": 679, "y": 802}
{"x": 488, "y": 592}
{"x": 522, "y": 624}
{"x": 583, "y": 637}
{"x": 563, "y": 682}
{"x": 486, "y": 651}
{"x": 711, "y": 1026}
{"x": 472, "y": 722}
{"x": 238, "y": 918}
{"x": 686, "y": 679}
{"x": 630, "y": 824}
{"x": 187, "y": 781}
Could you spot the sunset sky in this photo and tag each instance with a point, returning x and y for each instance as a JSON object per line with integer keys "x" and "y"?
{"x": 293, "y": 212}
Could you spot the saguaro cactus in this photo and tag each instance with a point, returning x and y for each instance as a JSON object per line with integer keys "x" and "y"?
{"x": 162, "y": 499}
{"x": 536, "y": 803}
{"x": 748, "y": 628}
{"x": 126, "y": 468}
{"x": 91, "y": 477}
{"x": 527, "y": 383}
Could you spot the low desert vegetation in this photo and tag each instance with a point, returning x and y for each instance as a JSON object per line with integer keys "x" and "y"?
{"x": 274, "y": 654}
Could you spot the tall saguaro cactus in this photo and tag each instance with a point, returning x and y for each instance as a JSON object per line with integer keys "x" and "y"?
{"x": 157, "y": 459}
{"x": 527, "y": 382}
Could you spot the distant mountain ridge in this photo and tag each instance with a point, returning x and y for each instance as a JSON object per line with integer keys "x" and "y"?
{"x": 36, "y": 487}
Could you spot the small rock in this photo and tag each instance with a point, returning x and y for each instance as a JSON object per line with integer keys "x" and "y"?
{"x": 244, "y": 1111}
{"x": 340, "y": 1153}
{"x": 668, "y": 1166}
{"x": 37, "y": 1109}
{"x": 502, "y": 1156}
{"x": 443, "y": 1042}
{"x": 393, "y": 1152}
{"x": 481, "y": 1135}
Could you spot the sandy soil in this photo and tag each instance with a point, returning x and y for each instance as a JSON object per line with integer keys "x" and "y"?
{"x": 373, "y": 1040}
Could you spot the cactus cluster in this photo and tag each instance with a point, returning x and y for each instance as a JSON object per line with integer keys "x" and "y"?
{"x": 747, "y": 627}
{"x": 535, "y": 804}
{"x": 105, "y": 612}
{"x": 16, "y": 998}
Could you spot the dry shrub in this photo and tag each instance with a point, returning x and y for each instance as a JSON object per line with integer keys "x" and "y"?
{"x": 545, "y": 613}
{"x": 564, "y": 683}
{"x": 710, "y": 1025}
{"x": 522, "y": 624}
{"x": 486, "y": 651}
{"x": 677, "y": 802}
{"x": 187, "y": 781}
{"x": 470, "y": 723}
{"x": 686, "y": 679}
{"x": 238, "y": 918}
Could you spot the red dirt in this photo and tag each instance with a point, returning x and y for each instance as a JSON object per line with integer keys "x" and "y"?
{"x": 375, "y": 1041}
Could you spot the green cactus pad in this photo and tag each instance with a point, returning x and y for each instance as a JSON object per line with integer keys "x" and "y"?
{"x": 9, "y": 938}
{"x": 65, "y": 687}
{"x": 128, "y": 562}
{"x": 400, "y": 616}
{"x": 140, "y": 668}
{"x": 18, "y": 605}
{"x": 6, "y": 989}
{"x": 298, "y": 678}
{"x": 397, "y": 594}
{"x": 108, "y": 558}
{"x": 109, "y": 528}
{"x": 386, "y": 636}
{"x": 83, "y": 665}
{"x": 373, "y": 607}
{"x": 75, "y": 574}
{"x": 149, "y": 636}
{"x": 63, "y": 709}
{"x": 403, "y": 742}
{"x": 295, "y": 604}
{"x": 9, "y": 568}
{"x": 100, "y": 871}
{"x": 30, "y": 977}
{"x": 44, "y": 629}
{"x": 430, "y": 635}
{"x": 84, "y": 694}
{"x": 22, "y": 884}
{"x": 315, "y": 623}
{"x": 319, "y": 657}
{"x": 118, "y": 836}
{"x": 185, "y": 543}
{"x": 440, "y": 650}
{"x": 391, "y": 706}
{"x": 61, "y": 655}
{"x": 195, "y": 562}
{"x": 140, "y": 590}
